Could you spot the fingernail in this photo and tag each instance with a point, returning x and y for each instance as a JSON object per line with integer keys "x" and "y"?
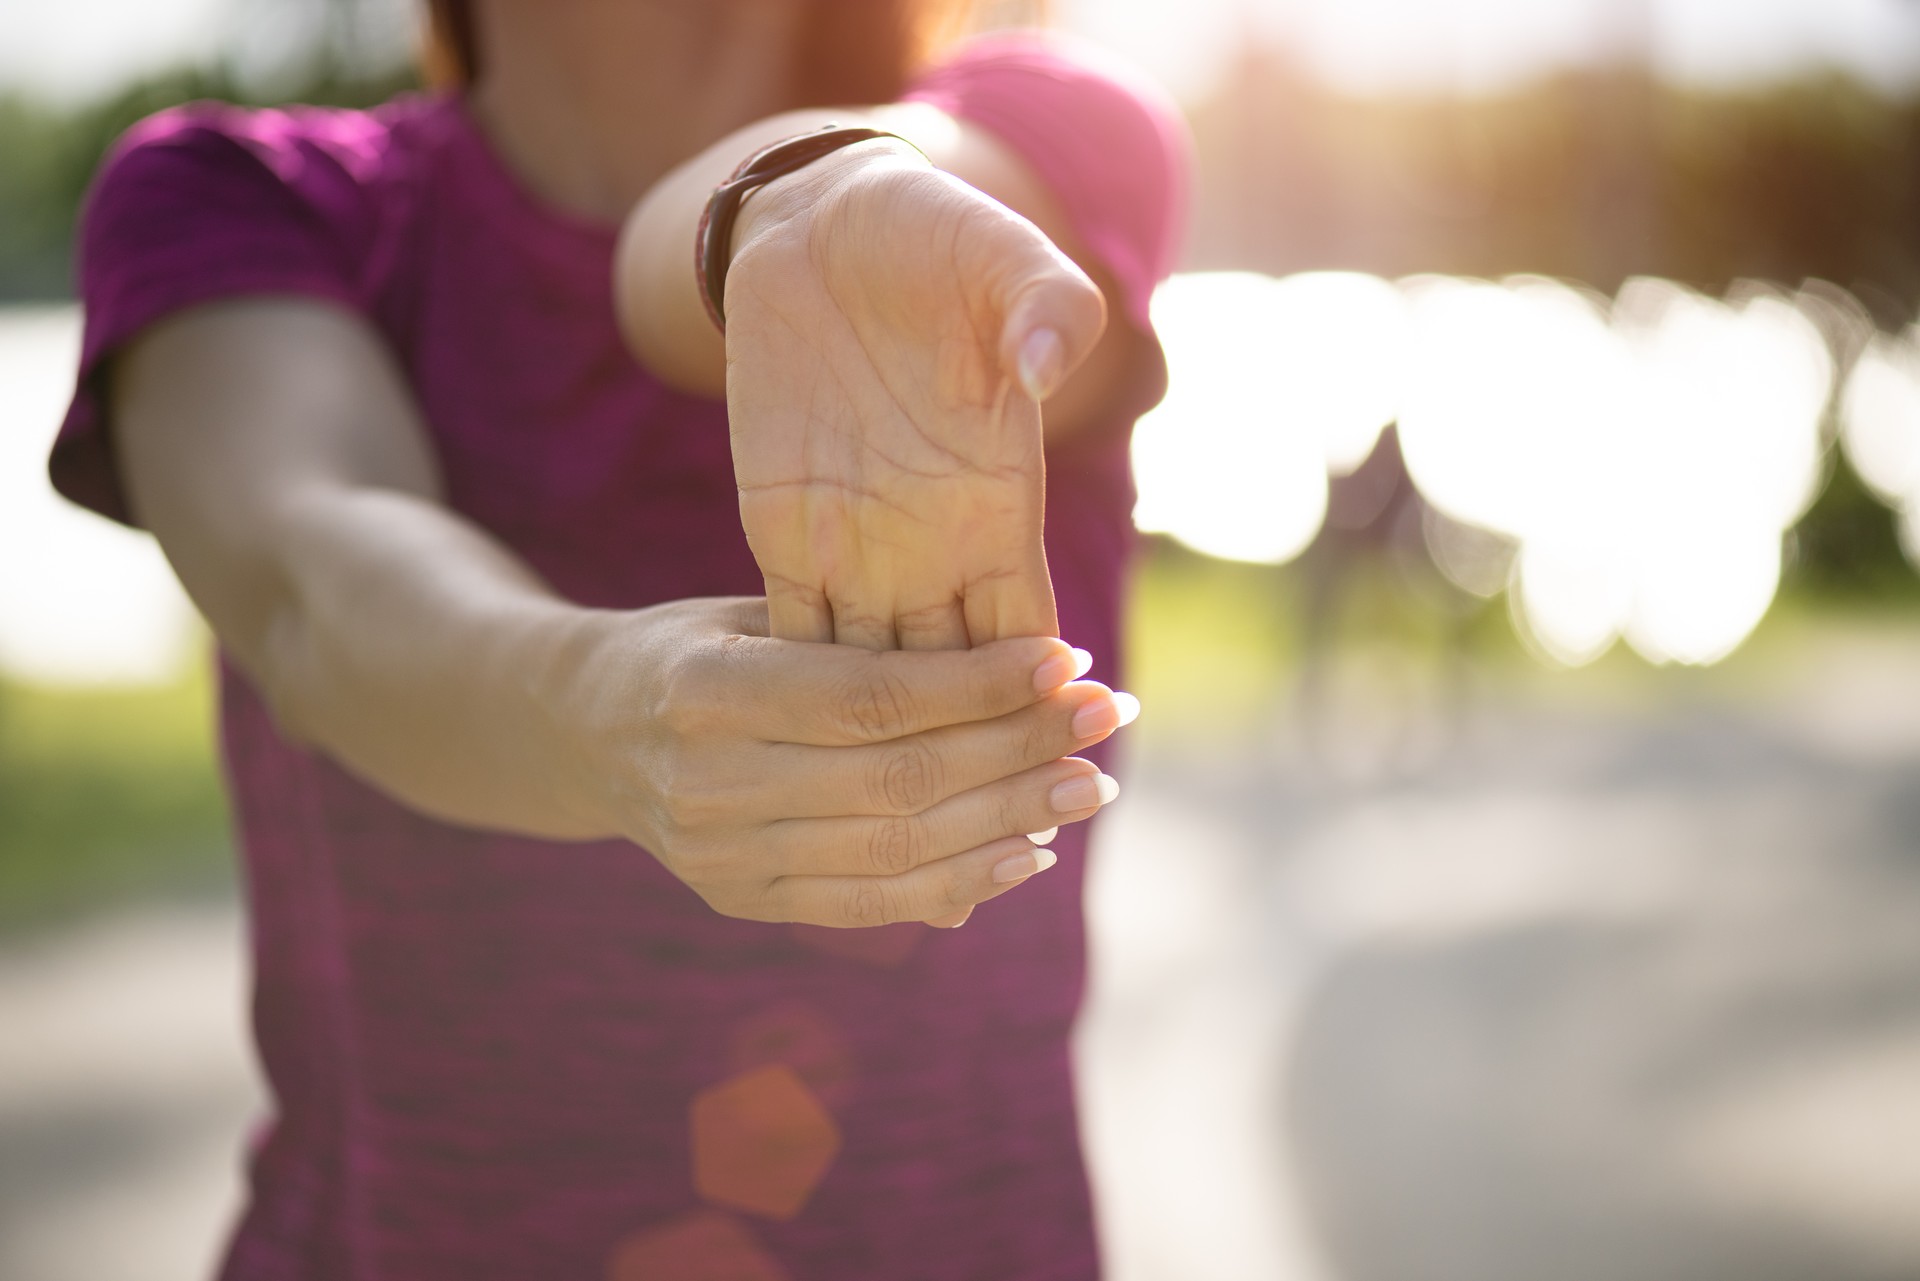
{"x": 1061, "y": 668}
{"x": 1129, "y": 708}
{"x": 1082, "y": 792}
{"x": 1021, "y": 866}
{"x": 1099, "y": 716}
{"x": 1058, "y": 669}
{"x": 1040, "y": 359}
{"x": 1041, "y": 838}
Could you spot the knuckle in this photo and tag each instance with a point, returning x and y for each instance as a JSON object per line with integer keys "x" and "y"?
{"x": 875, "y": 705}
{"x": 894, "y": 846}
{"x": 908, "y": 779}
{"x": 686, "y": 704}
{"x": 956, "y": 892}
{"x": 1037, "y": 739}
{"x": 773, "y": 901}
{"x": 868, "y": 904}
{"x": 691, "y": 807}
{"x": 743, "y": 899}
{"x": 1013, "y": 814}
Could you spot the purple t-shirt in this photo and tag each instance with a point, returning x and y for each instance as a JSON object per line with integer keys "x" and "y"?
{"x": 497, "y": 1057}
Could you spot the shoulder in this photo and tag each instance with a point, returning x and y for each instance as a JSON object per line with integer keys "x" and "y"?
{"x": 1093, "y": 101}
{"x": 1109, "y": 143}
{"x": 1053, "y": 64}
{"x": 227, "y": 166}
{"x": 359, "y": 142}
{"x": 209, "y": 201}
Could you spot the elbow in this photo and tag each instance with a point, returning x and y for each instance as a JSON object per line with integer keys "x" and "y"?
{"x": 281, "y": 667}
{"x": 270, "y": 642}
{"x": 656, "y": 300}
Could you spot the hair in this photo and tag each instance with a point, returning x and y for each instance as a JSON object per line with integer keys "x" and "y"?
{"x": 852, "y": 51}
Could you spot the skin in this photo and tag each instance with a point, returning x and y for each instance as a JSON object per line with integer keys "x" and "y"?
{"x": 892, "y": 330}
{"x": 276, "y": 452}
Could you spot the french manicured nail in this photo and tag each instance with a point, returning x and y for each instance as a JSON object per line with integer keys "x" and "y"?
{"x": 1041, "y": 356}
{"x": 1042, "y": 838}
{"x": 1021, "y": 866}
{"x": 1105, "y": 714}
{"x": 1060, "y": 669}
{"x": 1097, "y": 717}
{"x": 1082, "y": 792}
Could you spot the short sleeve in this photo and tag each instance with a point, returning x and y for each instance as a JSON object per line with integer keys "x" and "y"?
{"x": 196, "y": 204}
{"x": 1111, "y": 147}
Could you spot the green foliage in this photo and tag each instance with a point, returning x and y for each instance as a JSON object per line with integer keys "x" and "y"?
{"x": 1208, "y": 641}
{"x": 106, "y": 794}
{"x": 1592, "y": 176}
{"x": 51, "y": 156}
{"x": 1846, "y": 550}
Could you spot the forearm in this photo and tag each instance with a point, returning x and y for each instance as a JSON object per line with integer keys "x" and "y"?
{"x": 272, "y": 448}
{"x": 421, "y": 655}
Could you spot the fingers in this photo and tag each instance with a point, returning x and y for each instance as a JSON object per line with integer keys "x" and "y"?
{"x": 1047, "y": 796}
{"x": 910, "y": 775}
{"x": 943, "y": 625}
{"x": 1013, "y": 604}
{"x": 1054, "y": 315}
{"x": 836, "y": 695}
{"x": 797, "y": 612}
{"x": 862, "y": 629}
{"x": 937, "y": 891}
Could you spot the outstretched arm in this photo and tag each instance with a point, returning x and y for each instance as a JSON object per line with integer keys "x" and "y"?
{"x": 274, "y": 450}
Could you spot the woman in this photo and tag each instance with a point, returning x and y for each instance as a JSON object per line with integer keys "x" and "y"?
{"x": 488, "y": 623}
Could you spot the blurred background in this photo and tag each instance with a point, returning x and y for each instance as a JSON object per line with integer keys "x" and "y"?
{"x": 1519, "y": 870}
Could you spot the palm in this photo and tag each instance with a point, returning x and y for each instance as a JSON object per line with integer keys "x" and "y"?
{"x": 891, "y": 475}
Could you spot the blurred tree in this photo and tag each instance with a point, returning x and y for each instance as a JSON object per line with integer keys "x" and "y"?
{"x": 1591, "y": 175}
{"x": 51, "y": 155}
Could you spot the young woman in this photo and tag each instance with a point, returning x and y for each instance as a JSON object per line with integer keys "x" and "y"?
{"x": 554, "y": 825}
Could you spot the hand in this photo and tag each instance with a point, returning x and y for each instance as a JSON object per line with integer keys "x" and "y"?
{"x": 890, "y": 333}
{"x": 786, "y": 781}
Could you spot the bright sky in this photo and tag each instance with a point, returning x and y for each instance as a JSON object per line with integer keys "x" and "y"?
{"x": 75, "y": 49}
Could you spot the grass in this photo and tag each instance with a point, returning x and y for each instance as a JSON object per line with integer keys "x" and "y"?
{"x": 107, "y": 795}
{"x": 1216, "y": 649}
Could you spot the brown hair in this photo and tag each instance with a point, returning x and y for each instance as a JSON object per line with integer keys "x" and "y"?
{"x": 853, "y": 51}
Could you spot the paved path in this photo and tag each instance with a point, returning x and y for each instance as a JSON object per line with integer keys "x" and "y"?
{"x": 1548, "y": 988}
{"x": 1555, "y": 987}
{"x": 125, "y": 1087}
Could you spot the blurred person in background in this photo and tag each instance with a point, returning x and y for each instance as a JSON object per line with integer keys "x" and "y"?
{"x": 425, "y": 406}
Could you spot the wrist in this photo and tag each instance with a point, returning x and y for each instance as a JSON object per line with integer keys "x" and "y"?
{"x": 786, "y": 197}
{"x": 574, "y": 682}
{"x": 792, "y": 180}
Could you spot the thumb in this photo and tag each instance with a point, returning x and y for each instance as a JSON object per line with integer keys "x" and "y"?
{"x": 1054, "y": 316}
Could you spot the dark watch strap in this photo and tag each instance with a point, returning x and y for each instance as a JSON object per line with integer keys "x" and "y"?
{"x": 713, "y": 240}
